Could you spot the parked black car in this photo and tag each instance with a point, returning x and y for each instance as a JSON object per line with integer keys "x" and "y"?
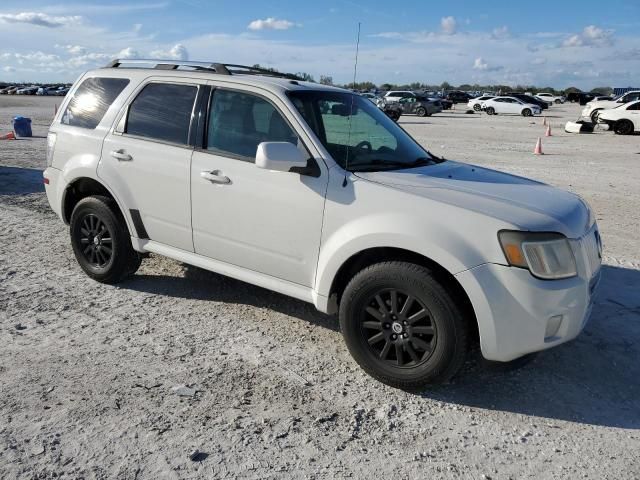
{"x": 581, "y": 97}
{"x": 456, "y": 96}
{"x": 529, "y": 99}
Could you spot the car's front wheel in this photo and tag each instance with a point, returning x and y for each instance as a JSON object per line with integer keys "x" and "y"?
{"x": 623, "y": 127}
{"x": 421, "y": 112}
{"x": 594, "y": 116}
{"x": 526, "y": 112}
{"x": 101, "y": 240}
{"x": 402, "y": 326}
{"x": 477, "y": 107}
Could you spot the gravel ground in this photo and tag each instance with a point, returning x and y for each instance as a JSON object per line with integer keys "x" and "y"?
{"x": 88, "y": 371}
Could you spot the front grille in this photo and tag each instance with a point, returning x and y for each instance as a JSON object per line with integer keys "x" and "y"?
{"x": 591, "y": 248}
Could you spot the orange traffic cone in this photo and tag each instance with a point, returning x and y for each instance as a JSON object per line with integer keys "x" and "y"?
{"x": 538, "y": 149}
{"x": 8, "y": 136}
{"x": 548, "y": 132}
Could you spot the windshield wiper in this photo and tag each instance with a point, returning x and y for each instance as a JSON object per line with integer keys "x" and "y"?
{"x": 376, "y": 165}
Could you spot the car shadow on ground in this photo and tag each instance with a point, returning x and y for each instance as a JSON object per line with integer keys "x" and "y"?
{"x": 20, "y": 181}
{"x": 592, "y": 380}
{"x": 199, "y": 284}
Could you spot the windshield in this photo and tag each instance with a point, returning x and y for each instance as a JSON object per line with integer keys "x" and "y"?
{"x": 358, "y": 135}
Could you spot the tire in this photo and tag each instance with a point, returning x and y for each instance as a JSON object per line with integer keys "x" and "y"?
{"x": 92, "y": 219}
{"x": 526, "y": 112}
{"x": 557, "y": 102}
{"x": 477, "y": 107}
{"x": 594, "y": 116}
{"x": 421, "y": 112}
{"x": 623, "y": 127}
{"x": 490, "y": 111}
{"x": 428, "y": 350}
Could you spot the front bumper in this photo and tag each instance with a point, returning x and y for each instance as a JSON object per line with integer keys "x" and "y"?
{"x": 519, "y": 314}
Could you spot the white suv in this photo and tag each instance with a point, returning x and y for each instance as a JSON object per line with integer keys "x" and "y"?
{"x": 313, "y": 192}
{"x": 551, "y": 98}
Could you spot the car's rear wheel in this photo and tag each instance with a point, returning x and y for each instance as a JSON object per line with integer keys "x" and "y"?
{"x": 594, "y": 116}
{"x": 490, "y": 111}
{"x": 421, "y": 111}
{"x": 623, "y": 127}
{"x": 557, "y": 101}
{"x": 101, "y": 240}
{"x": 401, "y": 325}
{"x": 477, "y": 107}
{"x": 526, "y": 112}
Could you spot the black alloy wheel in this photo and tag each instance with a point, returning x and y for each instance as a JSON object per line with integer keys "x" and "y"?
{"x": 398, "y": 328}
{"x": 623, "y": 127}
{"x": 526, "y": 112}
{"x": 96, "y": 241}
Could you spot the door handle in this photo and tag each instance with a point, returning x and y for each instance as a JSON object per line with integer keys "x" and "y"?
{"x": 121, "y": 155}
{"x": 215, "y": 176}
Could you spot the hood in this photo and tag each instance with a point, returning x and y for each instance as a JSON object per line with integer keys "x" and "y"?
{"x": 525, "y": 204}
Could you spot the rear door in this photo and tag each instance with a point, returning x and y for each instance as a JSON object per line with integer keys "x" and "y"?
{"x": 146, "y": 159}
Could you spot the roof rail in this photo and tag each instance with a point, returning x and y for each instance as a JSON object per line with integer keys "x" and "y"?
{"x": 219, "y": 68}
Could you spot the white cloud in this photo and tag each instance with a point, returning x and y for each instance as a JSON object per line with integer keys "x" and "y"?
{"x": 270, "y": 23}
{"x": 137, "y": 27}
{"x": 76, "y": 50}
{"x": 591, "y": 36}
{"x": 9, "y": 69}
{"x": 128, "y": 54}
{"x": 448, "y": 25}
{"x": 177, "y": 52}
{"x": 480, "y": 64}
{"x": 40, "y": 19}
{"x": 500, "y": 33}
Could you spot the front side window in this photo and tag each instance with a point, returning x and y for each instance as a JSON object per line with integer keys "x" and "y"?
{"x": 357, "y": 134}
{"x": 239, "y": 122}
{"x": 162, "y": 111}
{"x": 91, "y": 101}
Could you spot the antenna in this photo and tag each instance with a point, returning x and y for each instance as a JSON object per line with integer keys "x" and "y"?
{"x": 355, "y": 71}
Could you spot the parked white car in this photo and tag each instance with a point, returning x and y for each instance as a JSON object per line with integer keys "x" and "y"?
{"x": 550, "y": 98}
{"x": 509, "y": 105}
{"x": 397, "y": 95}
{"x": 312, "y": 191}
{"x": 476, "y": 103}
{"x": 624, "y": 120}
{"x": 592, "y": 109}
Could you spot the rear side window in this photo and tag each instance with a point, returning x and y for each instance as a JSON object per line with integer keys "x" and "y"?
{"x": 91, "y": 101}
{"x": 635, "y": 106}
{"x": 162, "y": 111}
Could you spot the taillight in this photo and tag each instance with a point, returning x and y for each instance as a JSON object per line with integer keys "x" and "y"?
{"x": 51, "y": 145}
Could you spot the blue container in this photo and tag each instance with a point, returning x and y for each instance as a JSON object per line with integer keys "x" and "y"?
{"x": 22, "y": 126}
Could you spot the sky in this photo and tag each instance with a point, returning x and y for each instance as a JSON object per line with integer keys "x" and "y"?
{"x": 547, "y": 43}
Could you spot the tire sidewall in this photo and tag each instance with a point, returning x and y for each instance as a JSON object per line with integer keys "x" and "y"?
{"x": 415, "y": 281}
{"x": 490, "y": 111}
{"x": 526, "y": 112}
{"x": 421, "y": 112}
{"x": 619, "y": 127}
{"x": 121, "y": 255}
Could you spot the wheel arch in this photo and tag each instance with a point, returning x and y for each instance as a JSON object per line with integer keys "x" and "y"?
{"x": 370, "y": 256}
{"x": 82, "y": 187}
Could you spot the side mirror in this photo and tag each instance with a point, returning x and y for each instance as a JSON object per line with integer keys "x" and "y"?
{"x": 279, "y": 156}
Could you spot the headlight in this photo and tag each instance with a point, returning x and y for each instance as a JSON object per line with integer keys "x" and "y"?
{"x": 546, "y": 255}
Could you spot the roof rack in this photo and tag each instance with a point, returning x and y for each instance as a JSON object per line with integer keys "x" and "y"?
{"x": 218, "y": 68}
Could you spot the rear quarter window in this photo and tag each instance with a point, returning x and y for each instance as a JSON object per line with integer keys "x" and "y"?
{"x": 91, "y": 101}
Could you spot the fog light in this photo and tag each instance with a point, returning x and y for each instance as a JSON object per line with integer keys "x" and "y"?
{"x": 553, "y": 325}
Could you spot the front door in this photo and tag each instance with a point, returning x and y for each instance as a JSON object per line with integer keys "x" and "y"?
{"x": 261, "y": 220}
{"x": 146, "y": 161}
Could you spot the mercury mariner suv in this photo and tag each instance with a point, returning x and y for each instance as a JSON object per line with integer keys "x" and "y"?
{"x": 315, "y": 193}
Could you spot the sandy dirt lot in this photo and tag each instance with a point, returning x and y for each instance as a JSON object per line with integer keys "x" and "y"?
{"x": 87, "y": 370}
